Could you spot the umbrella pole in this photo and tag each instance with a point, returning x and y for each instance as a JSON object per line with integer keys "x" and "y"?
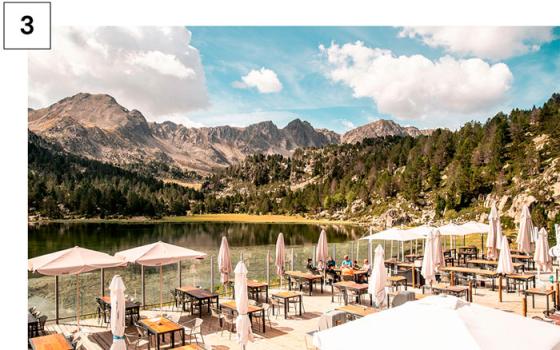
{"x": 160, "y": 289}
{"x": 78, "y": 300}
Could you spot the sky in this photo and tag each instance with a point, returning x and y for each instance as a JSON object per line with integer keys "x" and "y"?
{"x": 334, "y": 77}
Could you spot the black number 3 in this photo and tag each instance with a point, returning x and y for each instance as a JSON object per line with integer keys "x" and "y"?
{"x": 27, "y": 21}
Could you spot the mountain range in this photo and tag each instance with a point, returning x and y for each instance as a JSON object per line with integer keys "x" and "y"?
{"x": 96, "y": 126}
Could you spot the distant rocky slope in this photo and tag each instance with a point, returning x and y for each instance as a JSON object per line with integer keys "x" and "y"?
{"x": 382, "y": 128}
{"x": 97, "y": 127}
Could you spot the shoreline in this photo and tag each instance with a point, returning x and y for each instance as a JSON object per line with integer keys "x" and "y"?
{"x": 224, "y": 218}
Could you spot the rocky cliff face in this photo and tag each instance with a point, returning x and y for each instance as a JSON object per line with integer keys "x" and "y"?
{"x": 381, "y": 128}
{"x": 96, "y": 126}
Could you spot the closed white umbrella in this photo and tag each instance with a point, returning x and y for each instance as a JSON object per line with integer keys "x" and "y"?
{"x": 224, "y": 261}
{"x": 280, "y": 253}
{"x": 378, "y": 279}
{"x": 428, "y": 267}
{"x": 542, "y": 259}
{"x": 525, "y": 230}
{"x": 439, "y": 259}
{"x": 505, "y": 265}
{"x": 494, "y": 233}
{"x": 322, "y": 248}
{"x": 118, "y": 309}
{"x": 242, "y": 322}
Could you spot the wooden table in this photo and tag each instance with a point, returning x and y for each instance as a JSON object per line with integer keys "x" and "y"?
{"x": 255, "y": 288}
{"x": 544, "y": 292}
{"x": 525, "y": 259}
{"x": 356, "y": 273}
{"x": 396, "y": 281}
{"x": 304, "y": 276}
{"x": 526, "y": 278}
{"x": 132, "y": 309}
{"x": 493, "y": 263}
{"x": 189, "y": 347}
{"x": 32, "y": 326}
{"x": 470, "y": 252}
{"x": 358, "y": 288}
{"x": 251, "y": 309}
{"x": 472, "y": 271}
{"x": 412, "y": 257}
{"x": 357, "y": 310}
{"x": 202, "y": 296}
{"x": 50, "y": 342}
{"x": 159, "y": 326}
{"x": 457, "y": 291}
{"x": 285, "y": 297}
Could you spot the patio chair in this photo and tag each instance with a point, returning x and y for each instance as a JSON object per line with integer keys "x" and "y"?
{"x": 42, "y": 321}
{"x": 403, "y": 297}
{"x": 276, "y": 304}
{"x": 295, "y": 303}
{"x": 193, "y": 329}
{"x": 340, "y": 294}
{"x": 253, "y": 302}
{"x": 217, "y": 314}
{"x": 267, "y": 311}
{"x": 136, "y": 340}
{"x": 229, "y": 323}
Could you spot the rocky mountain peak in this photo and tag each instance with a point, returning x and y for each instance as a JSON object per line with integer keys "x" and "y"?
{"x": 381, "y": 128}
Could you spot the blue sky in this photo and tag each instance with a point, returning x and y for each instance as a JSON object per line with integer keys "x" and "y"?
{"x": 293, "y": 53}
{"x": 333, "y": 77}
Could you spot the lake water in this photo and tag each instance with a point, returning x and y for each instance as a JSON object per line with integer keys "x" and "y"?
{"x": 253, "y": 240}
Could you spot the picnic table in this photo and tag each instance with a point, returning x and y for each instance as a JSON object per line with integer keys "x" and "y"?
{"x": 456, "y": 291}
{"x": 521, "y": 278}
{"x": 493, "y": 263}
{"x": 302, "y": 277}
{"x": 201, "y": 296}
{"x": 132, "y": 309}
{"x": 547, "y": 293}
{"x": 251, "y": 309}
{"x": 255, "y": 288}
{"x": 159, "y": 326}
{"x": 357, "y": 311}
{"x": 472, "y": 272}
{"x": 32, "y": 326}
{"x": 357, "y": 288}
{"x": 285, "y": 297}
{"x": 50, "y": 342}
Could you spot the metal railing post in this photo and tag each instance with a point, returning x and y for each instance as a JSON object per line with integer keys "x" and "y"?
{"x": 102, "y": 280}
{"x": 179, "y": 274}
{"x": 352, "y": 250}
{"x": 293, "y": 258}
{"x": 334, "y": 252}
{"x": 212, "y": 273}
{"x": 314, "y": 255}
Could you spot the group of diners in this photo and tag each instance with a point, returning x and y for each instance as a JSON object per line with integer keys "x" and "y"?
{"x": 348, "y": 269}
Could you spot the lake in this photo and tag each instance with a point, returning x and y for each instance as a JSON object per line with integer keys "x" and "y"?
{"x": 251, "y": 240}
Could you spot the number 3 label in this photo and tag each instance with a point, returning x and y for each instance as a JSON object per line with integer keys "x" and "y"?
{"x": 28, "y": 25}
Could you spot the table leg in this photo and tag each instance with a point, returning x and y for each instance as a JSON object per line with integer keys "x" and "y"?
{"x": 311, "y": 282}
{"x": 533, "y": 297}
{"x": 289, "y": 283}
{"x": 263, "y": 321}
{"x": 157, "y": 341}
{"x": 285, "y": 308}
{"x": 200, "y": 308}
{"x": 266, "y": 289}
{"x": 332, "y": 292}
{"x": 209, "y": 304}
{"x": 547, "y": 306}
{"x": 300, "y": 302}
{"x": 322, "y": 281}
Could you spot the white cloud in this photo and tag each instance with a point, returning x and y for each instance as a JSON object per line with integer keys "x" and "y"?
{"x": 151, "y": 69}
{"x": 347, "y": 124}
{"x": 494, "y": 43}
{"x": 415, "y": 87}
{"x": 264, "y": 80}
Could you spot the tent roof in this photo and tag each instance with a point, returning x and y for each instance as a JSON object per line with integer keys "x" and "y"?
{"x": 72, "y": 261}
{"x": 465, "y": 325}
{"x": 475, "y": 227}
{"x": 159, "y": 253}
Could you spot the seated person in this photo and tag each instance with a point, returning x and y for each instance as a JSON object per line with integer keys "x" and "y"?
{"x": 330, "y": 263}
{"x": 346, "y": 262}
{"x": 355, "y": 265}
{"x": 332, "y": 276}
{"x": 366, "y": 266}
{"x": 310, "y": 267}
{"x": 320, "y": 266}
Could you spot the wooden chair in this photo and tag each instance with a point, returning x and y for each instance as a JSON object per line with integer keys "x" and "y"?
{"x": 218, "y": 315}
{"x": 136, "y": 340}
{"x": 42, "y": 322}
{"x": 267, "y": 311}
{"x": 229, "y": 320}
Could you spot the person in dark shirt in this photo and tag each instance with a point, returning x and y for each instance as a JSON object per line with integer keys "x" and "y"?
{"x": 329, "y": 270}
{"x": 310, "y": 267}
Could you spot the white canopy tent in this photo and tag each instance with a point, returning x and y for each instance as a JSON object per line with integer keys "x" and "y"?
{"x": 473, "y": 227}
{"x": 395, "y": 234}
{"x": 460, "y": 325}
